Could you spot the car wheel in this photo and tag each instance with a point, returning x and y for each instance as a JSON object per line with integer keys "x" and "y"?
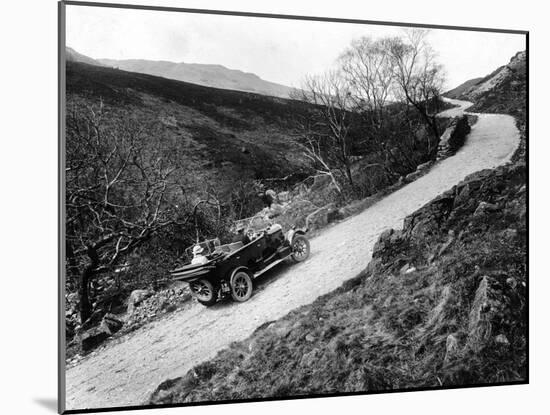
{"x": 241, "y": 286}
{"x": 300, "y": 248}
{"x": 203, "y": 291}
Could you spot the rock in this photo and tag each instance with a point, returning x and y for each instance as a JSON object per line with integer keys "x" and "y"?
{"x": 282, "y": 331}
{"x": 169, "y": 307}
{"x": 451, "y": 348}
{"x": 485, "y": 207}
{"x": 93, "y": 338}
{"x": 283, "y": 197}
{"x": 509, "y": 233}
{"x": 111, "y": 324}
{"x": 424, "y": 165}
{"x": 502, "y": 340}
{"x": 480, "y": 318}
{"x": 412, "y": 176}
{"x": 310, "y": 337}
{"x": 137, "y": 296}
{"x": 309, "y": 358}
{"x": 275, "y": 210}
{"x": 512, "y": 282}
{"x": 387, "y": 239}
{"x": 252, "y": 346}
{"x": 410, "y": 270}
{"x": 463, "y": 195}
{"x": 404, "y": 268}
{"x": 453, "y": 137}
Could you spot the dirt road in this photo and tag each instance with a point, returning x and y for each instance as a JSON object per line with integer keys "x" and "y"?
{"x": 126, "y": 372}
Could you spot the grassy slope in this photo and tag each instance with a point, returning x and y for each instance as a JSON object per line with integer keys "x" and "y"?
{"x": 224, "y": 136}
{"x": 390, "y": 329}
{"x": 458, "y": 317}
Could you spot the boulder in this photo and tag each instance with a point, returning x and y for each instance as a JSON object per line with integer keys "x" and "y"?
{"x": 136, "y": 297}
{"x": 453, "y": 137}
{"x": 111, "y": 324}
{"x": 94, "y": 337}
{"x": 386, "y": 241}
{"x": 487, "y": 307}
{"x": 484, "y": 208}
{"x": 424, "y": 166}
{"x": 283, "y": 197}
{"x": 404, "y": 269}
{"x": 502, "y": 340}
{"x": 275, "y": 210}
{"x": 308, "y": 359}
{"x": 451, "y": 348}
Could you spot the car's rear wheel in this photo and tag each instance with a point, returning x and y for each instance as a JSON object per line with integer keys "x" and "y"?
{"x": 241, "y": 286}
{"x": 203, "y": 291}
{"x": 300, "y": 248}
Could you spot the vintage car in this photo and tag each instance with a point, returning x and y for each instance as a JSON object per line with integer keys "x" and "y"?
{"x": 231, "y": 268}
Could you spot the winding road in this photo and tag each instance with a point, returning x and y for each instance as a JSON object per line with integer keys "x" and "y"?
{"x": 126, "y": 372}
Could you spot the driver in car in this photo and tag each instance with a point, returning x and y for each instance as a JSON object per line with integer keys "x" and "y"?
{"x": 198, "y": 257}
{"x": 240, "y": 236}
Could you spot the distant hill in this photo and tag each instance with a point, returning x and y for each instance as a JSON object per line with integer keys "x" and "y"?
{"x": 225, "y": 137}
{"x": 73, "y": 56}
{"x": 216, "y": 76}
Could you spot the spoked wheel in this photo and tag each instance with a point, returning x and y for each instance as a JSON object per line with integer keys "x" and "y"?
{"x": 241, "y": 286}
{"x": 203, "y": 291}
{"x": 300, "y": 248}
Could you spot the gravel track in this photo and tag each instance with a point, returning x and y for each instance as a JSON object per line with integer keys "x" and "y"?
{"x": 126, "y": 372}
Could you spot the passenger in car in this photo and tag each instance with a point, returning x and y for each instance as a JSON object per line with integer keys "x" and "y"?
{"x": 198, "y": 257}
{"x": 240, "y": 236}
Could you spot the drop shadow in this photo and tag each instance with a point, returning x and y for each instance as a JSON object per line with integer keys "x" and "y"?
{"x": 48, "y": 403}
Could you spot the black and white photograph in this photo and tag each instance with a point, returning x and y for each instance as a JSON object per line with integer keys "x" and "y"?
{"x": 269, "y": 207}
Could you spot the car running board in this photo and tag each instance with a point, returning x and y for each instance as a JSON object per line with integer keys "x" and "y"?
{"x": 257, "y": 274}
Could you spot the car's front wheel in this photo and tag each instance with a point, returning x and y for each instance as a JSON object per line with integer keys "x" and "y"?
{"x": 203, "y": 291}
{"x": 241, "y": 286}
{"x": 300, "y": 248}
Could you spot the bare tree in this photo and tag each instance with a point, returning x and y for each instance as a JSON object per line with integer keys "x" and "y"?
{"x": 118, "y": 192}
{"x": 369, "y": 70}
{"x": 418, "y": 76}
{"x": 324, "y": 133}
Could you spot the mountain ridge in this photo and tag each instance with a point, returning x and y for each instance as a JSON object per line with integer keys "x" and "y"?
{"x": 208, "y": 74}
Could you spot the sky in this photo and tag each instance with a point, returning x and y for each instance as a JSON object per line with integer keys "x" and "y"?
{"x": 282, "y": 51}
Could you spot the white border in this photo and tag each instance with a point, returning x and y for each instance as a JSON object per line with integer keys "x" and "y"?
{"x": 28, "y": 171}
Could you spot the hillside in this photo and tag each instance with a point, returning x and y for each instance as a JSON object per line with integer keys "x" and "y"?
{"x": 462, "y": 90}
{"x": 216, "y": 76}
{"x": 223, "y": 137}
{"x": 502, "y": 91}
{"x": 442, "y": 302}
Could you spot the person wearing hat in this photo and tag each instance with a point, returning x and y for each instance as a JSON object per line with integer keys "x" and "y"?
{"x": 198, "y": 258}
{"x": 240, "y": 236}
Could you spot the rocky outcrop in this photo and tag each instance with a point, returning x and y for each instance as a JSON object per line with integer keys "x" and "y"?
{"x": 152, "y": 305}
{"x": 136, "y": 297}
{"x": 454, "y": 137}
{"x": 93, "y": 338}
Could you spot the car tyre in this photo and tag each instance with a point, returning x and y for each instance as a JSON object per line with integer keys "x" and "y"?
{"x": 300, "y": 248}
{"x": 203, "y": 291}
{"x": 241, "y": 286}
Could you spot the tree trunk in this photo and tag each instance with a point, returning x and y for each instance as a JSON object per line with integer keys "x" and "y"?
{"x": 85, "y": 306}
{"x": 84, "y": 283}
